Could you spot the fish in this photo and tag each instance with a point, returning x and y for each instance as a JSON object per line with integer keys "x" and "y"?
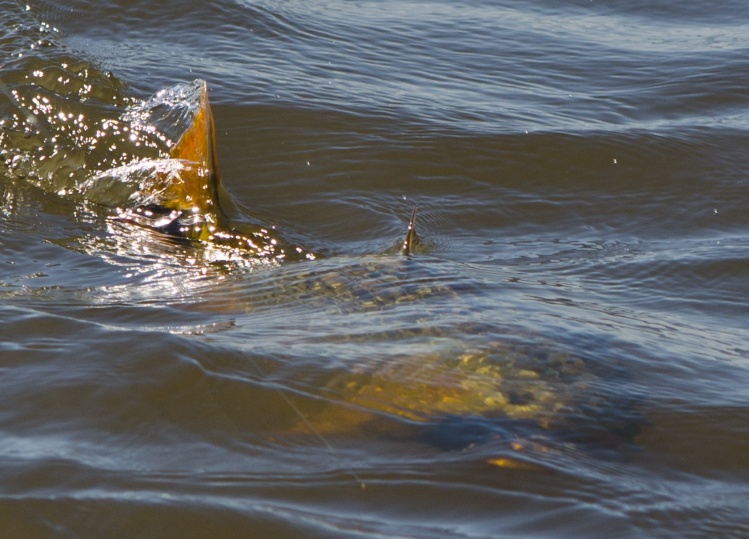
{"x": 152, "y": 166}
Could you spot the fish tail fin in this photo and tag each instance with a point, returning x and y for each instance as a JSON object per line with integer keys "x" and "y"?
{"x": 410, "y": 238}
{"x": 198, "y": 145}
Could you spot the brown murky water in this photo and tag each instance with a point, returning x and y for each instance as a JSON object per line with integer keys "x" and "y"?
{"x": 565, "y": 355}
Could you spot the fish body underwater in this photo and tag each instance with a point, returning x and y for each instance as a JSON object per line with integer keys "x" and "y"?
{"x": 152, "y": 165}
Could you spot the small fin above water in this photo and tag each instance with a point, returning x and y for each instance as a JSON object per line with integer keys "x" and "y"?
{"x": 410, "y": 238}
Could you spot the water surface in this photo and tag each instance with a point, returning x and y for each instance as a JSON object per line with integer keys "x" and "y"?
{"x": 580, "y": 173}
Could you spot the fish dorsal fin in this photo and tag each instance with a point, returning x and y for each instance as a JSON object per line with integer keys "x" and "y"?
{"x": 410, "y": 238}
{"x": 197, "y": 148}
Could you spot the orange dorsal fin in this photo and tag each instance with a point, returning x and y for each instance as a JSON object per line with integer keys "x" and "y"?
{"x": 197, "y": 147}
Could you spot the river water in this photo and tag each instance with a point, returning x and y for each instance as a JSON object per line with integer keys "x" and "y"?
{"x": 564, "y": 355}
